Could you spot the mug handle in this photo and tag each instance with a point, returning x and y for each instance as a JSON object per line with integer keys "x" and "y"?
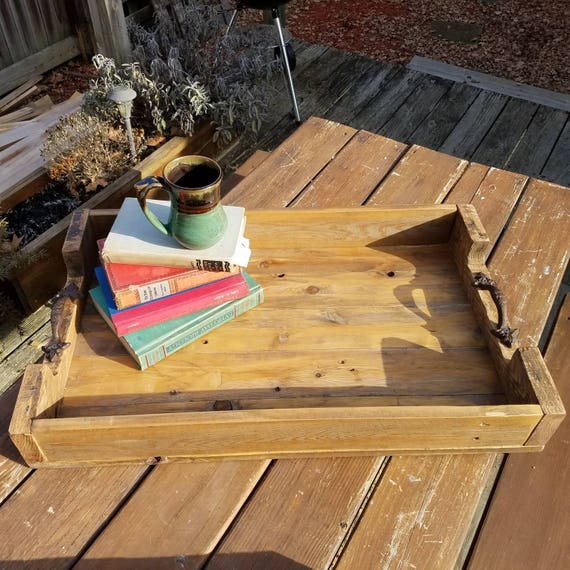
{"x": 143, "y": 187}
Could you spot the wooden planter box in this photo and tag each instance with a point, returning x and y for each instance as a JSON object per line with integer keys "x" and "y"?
{"x": 371, "y": 340}
{"x": 37, "y": 283}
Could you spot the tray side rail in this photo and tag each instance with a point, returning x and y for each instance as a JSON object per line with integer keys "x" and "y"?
{"x": 43, "y": 384}
{"x": 522, "y": 370}
{"x": 312, "y": 432}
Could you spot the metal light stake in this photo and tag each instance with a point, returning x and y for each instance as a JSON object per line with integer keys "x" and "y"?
{"x": 123, "y": 96}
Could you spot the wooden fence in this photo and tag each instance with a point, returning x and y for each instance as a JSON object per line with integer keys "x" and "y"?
{"x": 38, "y": 35}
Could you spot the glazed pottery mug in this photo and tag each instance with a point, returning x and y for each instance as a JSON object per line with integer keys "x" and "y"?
{"x": 197, "y": 219}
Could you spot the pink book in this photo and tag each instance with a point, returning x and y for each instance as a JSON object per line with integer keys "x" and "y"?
{"x": 148, "y": 314}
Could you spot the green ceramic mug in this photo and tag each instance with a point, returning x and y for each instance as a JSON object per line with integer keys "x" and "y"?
{"x": 197, "y": 219}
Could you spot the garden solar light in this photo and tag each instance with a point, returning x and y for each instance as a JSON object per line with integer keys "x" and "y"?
{"x": 123, "y": 96}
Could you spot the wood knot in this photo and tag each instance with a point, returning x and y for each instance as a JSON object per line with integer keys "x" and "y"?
{"x": 222, "y": 405}
{"x": 312, "y": 290}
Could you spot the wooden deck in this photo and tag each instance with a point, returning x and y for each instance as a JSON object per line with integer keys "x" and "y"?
{"x": 418, "y": 108}
{"x": 404, "y": 105}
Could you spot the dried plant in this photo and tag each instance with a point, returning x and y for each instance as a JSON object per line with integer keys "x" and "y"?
{"x": 12, "y": 257}
{"x": 87, "y": 152}
{"x": 186, "y": 68}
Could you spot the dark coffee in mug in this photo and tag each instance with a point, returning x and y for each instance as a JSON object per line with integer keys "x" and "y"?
{"x": 194, "y": 175}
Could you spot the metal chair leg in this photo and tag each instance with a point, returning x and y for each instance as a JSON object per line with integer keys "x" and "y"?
{"x": 285, "y": 63}
{"x": 233, "y": 20}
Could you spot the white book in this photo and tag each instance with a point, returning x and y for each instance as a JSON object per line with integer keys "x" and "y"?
{"x": 133, "y": 239}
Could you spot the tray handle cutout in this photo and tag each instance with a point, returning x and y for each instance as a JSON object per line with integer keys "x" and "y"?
{"x": 503, "y": 332}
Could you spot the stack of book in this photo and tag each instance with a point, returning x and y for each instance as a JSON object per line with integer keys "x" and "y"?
{"x": 158, "y": 296}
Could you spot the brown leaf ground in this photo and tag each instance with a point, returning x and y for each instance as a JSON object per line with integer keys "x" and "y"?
{"x": 520, "y": 40}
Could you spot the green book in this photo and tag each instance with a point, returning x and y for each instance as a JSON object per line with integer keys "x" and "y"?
{"x": 153, "y": 344}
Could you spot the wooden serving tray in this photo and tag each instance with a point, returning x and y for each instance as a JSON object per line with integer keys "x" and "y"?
{"x": 372, "y": 340}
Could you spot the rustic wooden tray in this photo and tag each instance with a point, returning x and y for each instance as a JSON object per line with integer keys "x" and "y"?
{"x": 372, "y": 340}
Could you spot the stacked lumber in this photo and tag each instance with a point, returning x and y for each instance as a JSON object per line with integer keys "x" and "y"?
{"x": 22, "y": 132}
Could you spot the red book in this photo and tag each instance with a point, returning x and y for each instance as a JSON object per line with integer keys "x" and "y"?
{"x": 147, "y": 283}
{"x": 134, "y": 284}
{"x": 148, "y": 314}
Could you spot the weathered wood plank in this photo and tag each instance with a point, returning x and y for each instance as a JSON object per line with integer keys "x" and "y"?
{"x": 494, "y": 198}
{"x": 294, "y": 163}
{"x": 361, "y": 92}
{"x": 537, "y": 142}
{"x": 556, "y": 167}
{"x": 532, "y": 257}
{"x": 491, "y": 83}
{"x": 471, "y": 129}
{"x": 13, "y": 366}
{"x": 437, "y": 126}
{"x": 360, "y": 165}
{"x": 415, "y": 109}
{"x": 416, "y": 517}
{"x": 110, "y": 29}
{"x": 380, "y": 109}
{"x": 468, "y": 184}
{"x": 534, "y": 488}
{"x": 311, "y": 504}
{"x": 422, "y": 176}
{"x": 501, "y": 140}
{"x": 197, "y": 504}
{"x": 37, "y": 518}
{"x": 49, "y": 57}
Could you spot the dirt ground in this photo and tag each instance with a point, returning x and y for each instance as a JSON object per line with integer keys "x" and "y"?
{"x": 520, "y": 40}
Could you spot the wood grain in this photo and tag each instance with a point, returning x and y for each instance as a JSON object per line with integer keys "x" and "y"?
{"x": 294, "y": 163}
{"x": 417, "y": 515}
{"x": 197, "y": 504}
{"x": 38, "y": 515}
{"x": 422, "y": 176}
{"x": 308, "y": 526}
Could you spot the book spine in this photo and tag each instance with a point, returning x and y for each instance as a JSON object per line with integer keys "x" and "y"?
{"x": 151, "y": 291}
{"x": 143, "y": 316}
{"x": 197, "y": 264}
{"x": 184, "y": 338}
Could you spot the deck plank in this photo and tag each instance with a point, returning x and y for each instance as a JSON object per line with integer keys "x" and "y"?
{"x": 56, "y": 512}
{"x": 413, "y": 543}
{"x": 472, "y": 127}
{"x": 495, "y": 197}
{"x": 365, "y": 160}
{"x": 404, "y": 526}
{"x": 537, "y": 142}
{"x": 304, "y": 508}
{"x": 501, "y": 140}
{"x": 415, "y": 109}
{"x": 438, "y": 125}
{"x": 380, "y": 109}
{"x": 361, "y": 92}
{"x": 556, "y": 168}
{"x": 422, "y": 176}
{"x": 197, "y": 504}
{"x": 528, "y": 525}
